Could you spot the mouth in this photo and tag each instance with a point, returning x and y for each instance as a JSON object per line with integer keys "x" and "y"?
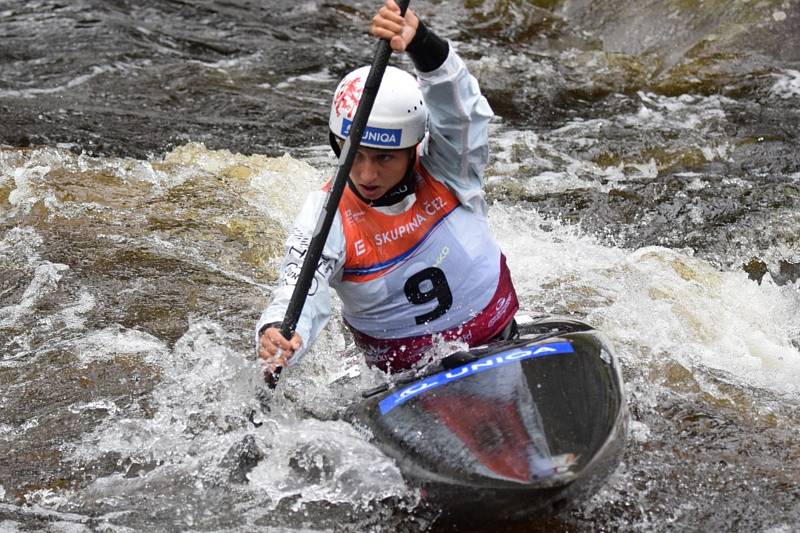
{"x": 370, "y": 191}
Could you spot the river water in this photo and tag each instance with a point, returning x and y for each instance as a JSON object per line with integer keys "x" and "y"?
{"x": 645, "y": 177}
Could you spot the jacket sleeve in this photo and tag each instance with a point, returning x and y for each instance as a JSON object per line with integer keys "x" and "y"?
{"x": 317, "y": 308}
{"x": 456, "y": 149}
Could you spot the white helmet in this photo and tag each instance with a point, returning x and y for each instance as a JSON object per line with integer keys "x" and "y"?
{"x": 398, "y": 117}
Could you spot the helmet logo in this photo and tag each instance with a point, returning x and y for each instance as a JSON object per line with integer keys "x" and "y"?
{"x": 380, "y": 136}
{"x": 346, "y": 100}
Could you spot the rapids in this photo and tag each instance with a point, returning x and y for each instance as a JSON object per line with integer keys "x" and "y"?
{"x": 645, "y": 178}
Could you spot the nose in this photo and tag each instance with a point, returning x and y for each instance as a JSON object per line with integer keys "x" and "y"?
{"x": 365, "y": 170}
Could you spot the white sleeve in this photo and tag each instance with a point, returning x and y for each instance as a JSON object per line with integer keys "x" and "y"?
{"x": 317, "y": 307}
{"x": 456, "y": 149}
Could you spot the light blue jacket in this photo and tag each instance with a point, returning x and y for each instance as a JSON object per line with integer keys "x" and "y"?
{"x": 455, "y": 151}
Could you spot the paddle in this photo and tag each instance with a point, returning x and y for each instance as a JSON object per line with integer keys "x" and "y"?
{"x": 325, "y": 220}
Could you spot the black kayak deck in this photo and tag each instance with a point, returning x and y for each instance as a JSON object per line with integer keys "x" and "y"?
{"x": 520, "y": 427}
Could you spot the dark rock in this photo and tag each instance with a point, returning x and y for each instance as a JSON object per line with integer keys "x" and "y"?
{"x": 241, "y": 459}
{"x": 787, "y": 273}
{"x": 755, "y": 268}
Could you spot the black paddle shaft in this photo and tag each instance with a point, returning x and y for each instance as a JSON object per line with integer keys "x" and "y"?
{"x": 348, "y": 154}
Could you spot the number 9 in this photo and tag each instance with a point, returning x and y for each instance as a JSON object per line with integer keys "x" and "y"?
{"x": 427, "y": 285}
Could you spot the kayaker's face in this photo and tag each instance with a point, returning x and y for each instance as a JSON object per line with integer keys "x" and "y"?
{"x": 375, "y": 171}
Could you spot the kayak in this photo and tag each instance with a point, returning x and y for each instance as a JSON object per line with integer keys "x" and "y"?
{"x": 518, "y": 428}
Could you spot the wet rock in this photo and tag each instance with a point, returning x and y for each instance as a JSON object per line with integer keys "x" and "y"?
{"x": 755, "y": 268}
{"x": 241, "y": 459}
{"x": 787, "y": 273}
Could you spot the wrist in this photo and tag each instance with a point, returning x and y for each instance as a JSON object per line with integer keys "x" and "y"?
{"x": 268, "y": 325}
{"x": 427, "y": 50}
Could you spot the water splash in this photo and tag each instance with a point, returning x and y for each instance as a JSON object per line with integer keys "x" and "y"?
{"x": 693, "y": 313}
{"x": 787, "y": 84}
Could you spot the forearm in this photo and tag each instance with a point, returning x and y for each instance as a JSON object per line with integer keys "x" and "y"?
{"x": 457, "y": 148}
{"x": 316, "y": 309}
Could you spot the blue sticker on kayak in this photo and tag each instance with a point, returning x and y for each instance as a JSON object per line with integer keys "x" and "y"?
{"x": 487, "y": 363}
{"x": 380, "y": 136}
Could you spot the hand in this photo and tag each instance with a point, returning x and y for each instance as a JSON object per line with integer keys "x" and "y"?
{"x": 389, "y": 25}
{"x": 275, "y": 350}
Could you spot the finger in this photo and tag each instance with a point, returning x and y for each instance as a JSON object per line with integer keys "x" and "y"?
{"x": 384, "y": 28}
{"x": 390, "y": 14}
{"x": 385, "y": 35}
{"x": 266, "y": 349}
{"x": 266, "y": 353}
{"x": 280, "y": 358}
{"x": 279, "y": 340}
{"x": 267, "y": 344}
{"x": 387, "y": 16}
{"x": 398, "y": 44}
{"x": 273, "y": 361}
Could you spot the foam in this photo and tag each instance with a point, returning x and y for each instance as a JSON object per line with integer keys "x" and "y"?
{"x": 96, "y": 70}
{"x": 657, "y": 301}
{"x": 45, "y": 280}
{"x": 787, "y": 84}
{"x": 105, "y": 344}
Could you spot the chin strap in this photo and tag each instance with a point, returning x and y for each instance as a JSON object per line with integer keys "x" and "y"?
{"x": 334, "y": 141}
